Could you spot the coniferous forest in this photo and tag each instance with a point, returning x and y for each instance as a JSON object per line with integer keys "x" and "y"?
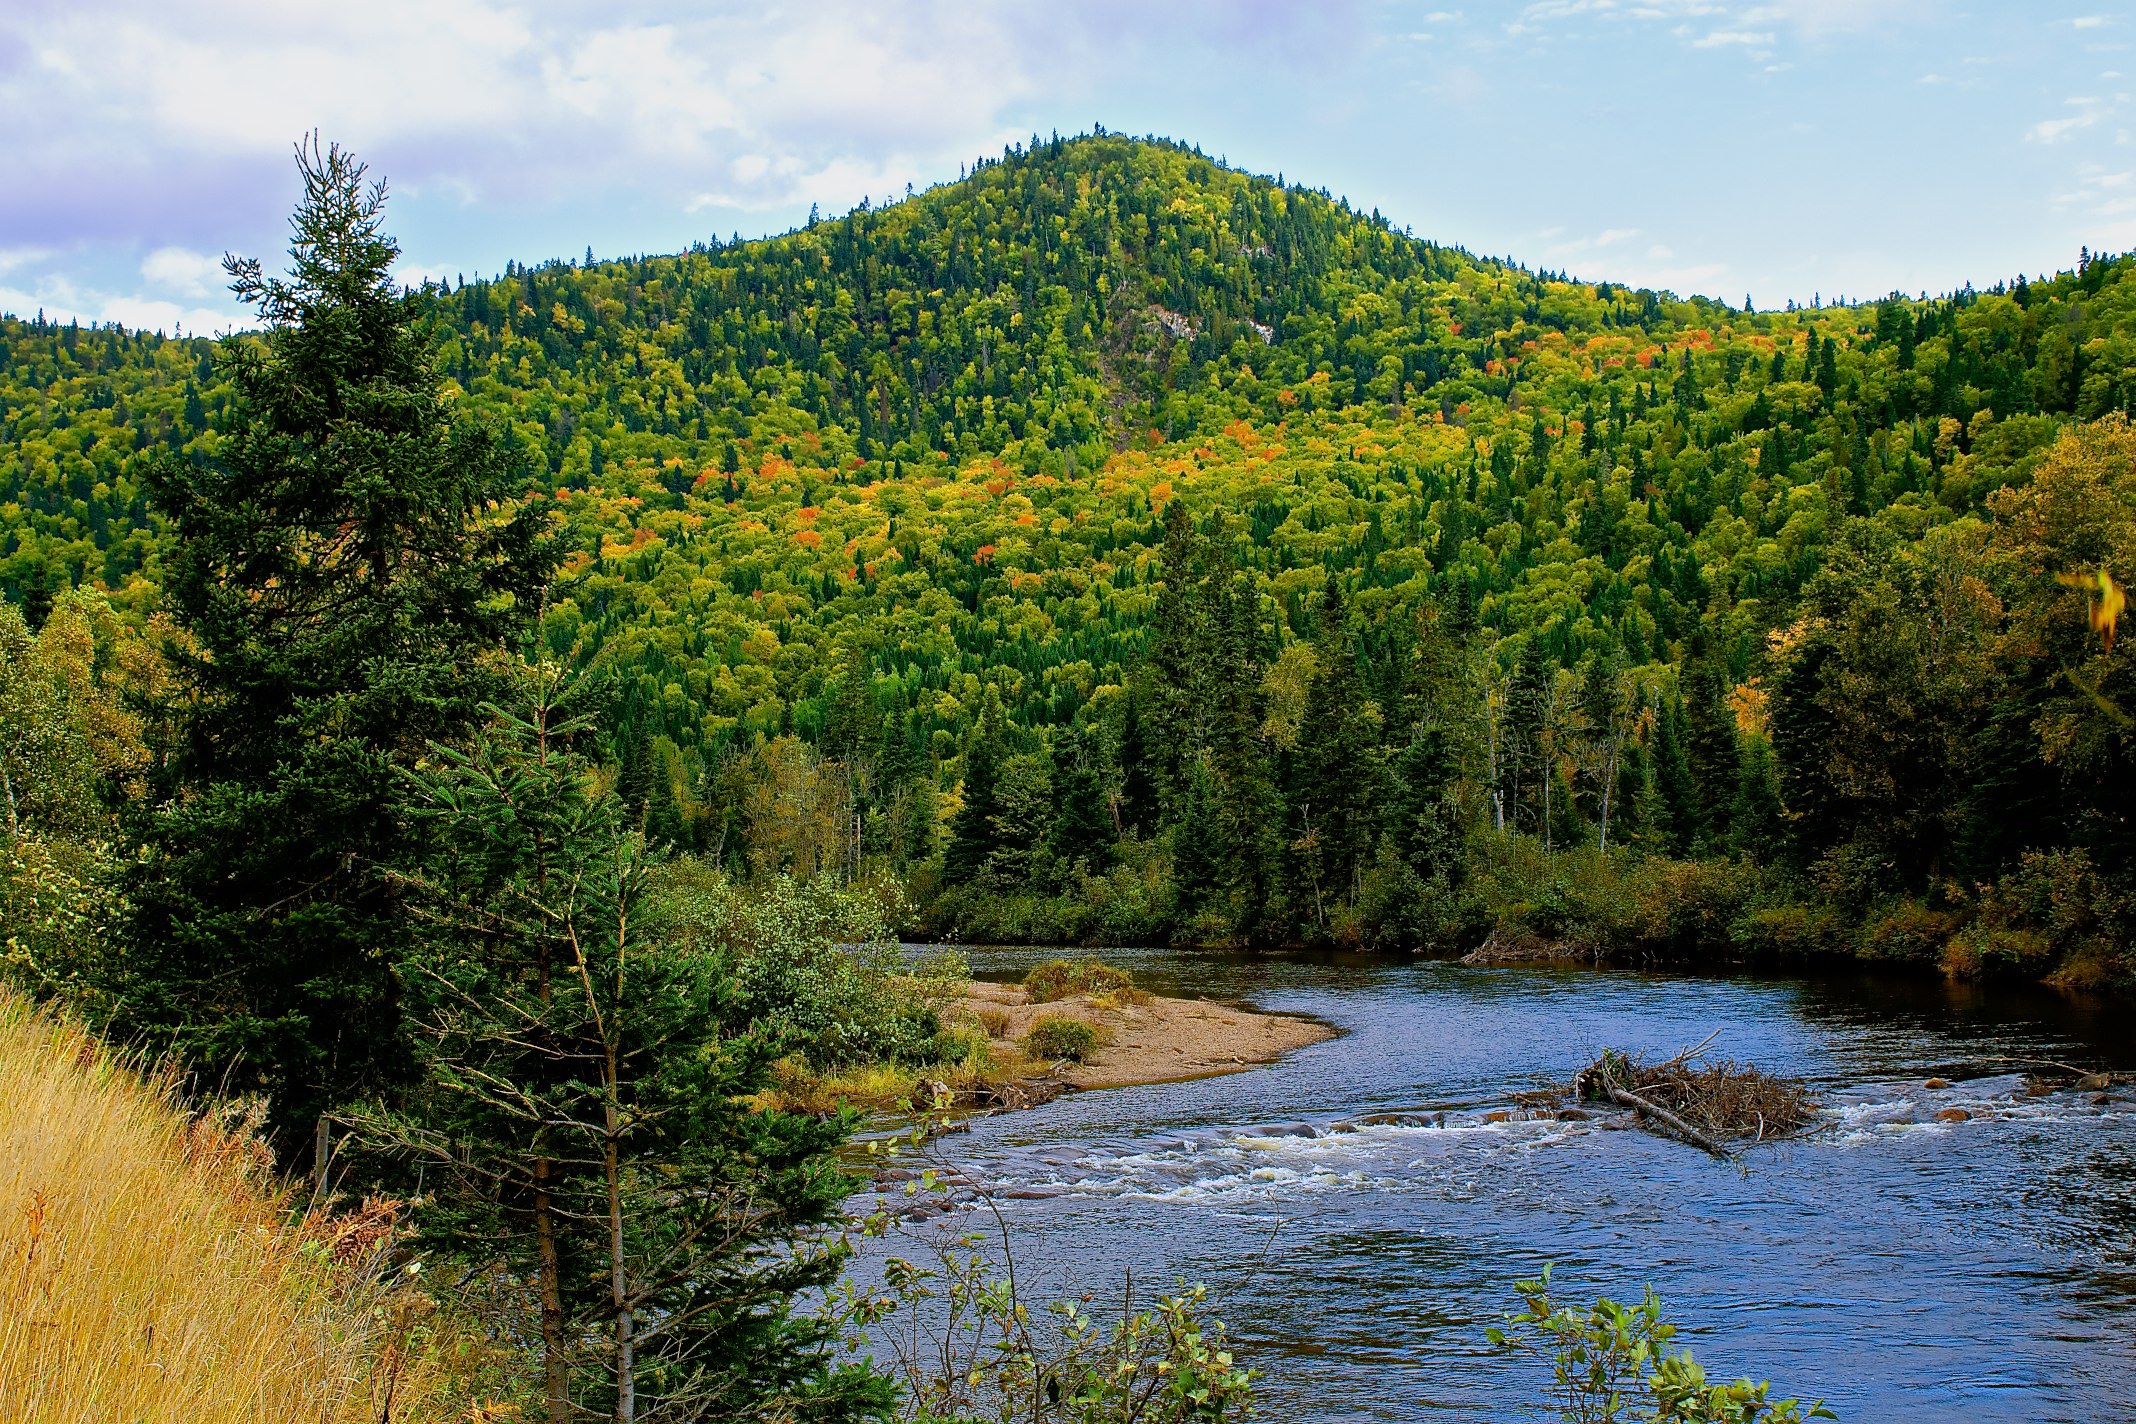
{"x": 480, "y": 718}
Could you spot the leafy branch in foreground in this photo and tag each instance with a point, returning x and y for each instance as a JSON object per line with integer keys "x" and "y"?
{"x": 1611, "y": 1362}
{"x": 968, "y": 1347}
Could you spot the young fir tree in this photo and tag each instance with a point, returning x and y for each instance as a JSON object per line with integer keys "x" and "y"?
{"x": 1082, "y": 828}
{"x": 1676, "y": 814}
{"x": 975, "y": 832}
{"x": 346, "y": 570}
{"x": 1138, "y": 766}
{"x": 582, "y": 1117}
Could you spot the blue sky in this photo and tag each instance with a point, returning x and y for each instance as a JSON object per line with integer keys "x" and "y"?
{"x": 1781, "y": 150}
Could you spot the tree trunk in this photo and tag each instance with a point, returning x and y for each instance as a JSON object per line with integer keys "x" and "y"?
{"x": 322, "y": 1155}
{"x": 618, "y": 1278}
{"x": 556, "y": 1368}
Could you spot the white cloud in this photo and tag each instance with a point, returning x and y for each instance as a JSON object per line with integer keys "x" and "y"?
{"x": 1725, "y": 25}
{"x": 2055, "y": 130}
{"x": 527, "y": 100}
{"x": 61, "y": 299}
{"x": 2088, "y": 22}
{"x": 1719, "y": 38}
{"x": 191, "y": 274}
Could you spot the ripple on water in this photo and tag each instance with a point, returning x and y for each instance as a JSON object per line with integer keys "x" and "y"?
{"x": 1961, "y": 1252}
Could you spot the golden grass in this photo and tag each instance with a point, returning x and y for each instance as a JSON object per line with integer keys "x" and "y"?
{"x": 150, "y": 1270}
{"x": 974, "y": 1078}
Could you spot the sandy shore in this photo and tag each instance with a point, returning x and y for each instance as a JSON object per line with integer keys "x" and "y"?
{"x": 1157, "y": 1041}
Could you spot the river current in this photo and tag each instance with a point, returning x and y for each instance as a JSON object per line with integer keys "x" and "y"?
{"x": 1899, "y": 1266}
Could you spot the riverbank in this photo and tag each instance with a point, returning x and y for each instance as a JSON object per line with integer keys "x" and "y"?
{"x": 1143, "y": 1039}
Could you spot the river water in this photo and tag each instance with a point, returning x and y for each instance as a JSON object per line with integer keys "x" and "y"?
{"x": 1901, "y": 1267}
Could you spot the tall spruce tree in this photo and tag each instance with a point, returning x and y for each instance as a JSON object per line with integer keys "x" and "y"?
{"x": 346, "y": 570}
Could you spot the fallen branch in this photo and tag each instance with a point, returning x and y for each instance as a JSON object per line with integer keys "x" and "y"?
{"x": 1671, "y": 1121}
{"x": 1688, "y": 1053}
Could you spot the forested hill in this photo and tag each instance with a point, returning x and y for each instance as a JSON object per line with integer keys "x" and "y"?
{"x": 838, "y": 483}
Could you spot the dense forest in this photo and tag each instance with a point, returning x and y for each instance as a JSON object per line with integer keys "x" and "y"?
{"x": 1113, "y": 546}
{"x": 496, "y": 733}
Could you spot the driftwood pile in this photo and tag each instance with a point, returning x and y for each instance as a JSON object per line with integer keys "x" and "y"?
{"x": 1709, "y": 1105}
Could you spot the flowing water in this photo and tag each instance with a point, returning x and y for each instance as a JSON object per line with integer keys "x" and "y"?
{"x": 1364, "y": 1217}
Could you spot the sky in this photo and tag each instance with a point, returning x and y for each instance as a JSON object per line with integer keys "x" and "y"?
{"x": 1793, "y": 150}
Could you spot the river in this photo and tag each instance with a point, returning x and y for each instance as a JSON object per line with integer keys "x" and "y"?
{"x": 1901, "y": 1267}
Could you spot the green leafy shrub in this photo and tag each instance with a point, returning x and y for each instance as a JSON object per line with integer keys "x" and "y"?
{"x": 815, "y": 960}
{"x": 1064, "y": 978}
{"x": 1612, "y": 1362}
{"x": 1054, "y": 1037}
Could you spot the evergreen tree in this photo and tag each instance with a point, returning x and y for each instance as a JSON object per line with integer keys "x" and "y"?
{"x": 1177, "y": 635}
{"x": 1334, "y": 768}
{"x": 1082, "y": 824}
{"x": 1710, "y": 745}
{"x": 1248, "y": 811}
{"x": 346, "y": 569}
{"x": 1676, "y": 811}
{"x": 1755, "y": 825}
{"x": 1424, "y": 814}
{"x": 1138, "y": 767}
{"x": 583, "y": 1116}
{"x": 974, "y": 833}
{"x": 1522, "y": 766}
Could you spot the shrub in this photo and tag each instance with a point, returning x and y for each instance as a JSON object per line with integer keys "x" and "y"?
{"x": 1687, "y": 909}
{"x": 1909, "y": 932}
{"x": 1601, "y": 1357}
{"x": 815, "y": 960}
{"x": 1053, "y": 1038}
{"x": 1064, "y": 978}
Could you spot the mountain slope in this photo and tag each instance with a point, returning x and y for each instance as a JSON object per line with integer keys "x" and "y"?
{"x": 843, "y": 481}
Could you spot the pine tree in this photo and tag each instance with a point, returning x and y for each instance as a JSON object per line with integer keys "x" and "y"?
{"x": 1676, "y": 813}
{"x": 1710, "y": 744}
{"x": 347, "y": 569}
{"x": 583, "y": 1118}
{"x": 1177, "y": 635}
{"x": 1335, "y": 768}
{"x": 1423, "y": 821}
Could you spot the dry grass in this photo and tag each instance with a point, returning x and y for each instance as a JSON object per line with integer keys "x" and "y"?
{"x": 151, "y": 1273}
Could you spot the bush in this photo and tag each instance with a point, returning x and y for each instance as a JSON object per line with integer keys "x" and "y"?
{"x": 815, "y": 961}
{"x": 1601, "y": 1357}
{"x": 1686, "y": 910}
{"x": 1053, "y": 1038}
{"x": 1064, "y": 978}
{"x": 1909, "y": 932}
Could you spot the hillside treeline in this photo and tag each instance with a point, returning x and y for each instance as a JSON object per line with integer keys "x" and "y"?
{"x": 1114, "y": 545}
